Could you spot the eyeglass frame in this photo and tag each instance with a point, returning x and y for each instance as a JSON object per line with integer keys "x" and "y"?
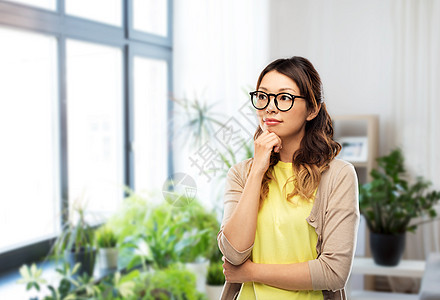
{"x": 274, "y": 99}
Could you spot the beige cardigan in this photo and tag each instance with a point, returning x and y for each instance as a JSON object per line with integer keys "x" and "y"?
{"x": 335, "y": 217}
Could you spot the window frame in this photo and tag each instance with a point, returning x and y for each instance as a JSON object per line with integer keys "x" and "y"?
{"x": 149, "y": 37}
{"x": 132, "y": 43}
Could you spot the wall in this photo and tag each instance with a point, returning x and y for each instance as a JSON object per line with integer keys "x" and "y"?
{"x": 219, "y": 49}
{"x": 351, "y": 45}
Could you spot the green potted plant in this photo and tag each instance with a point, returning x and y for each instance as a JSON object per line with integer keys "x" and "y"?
{"x": 68, "y": 287}
{"x": 173, "y": 282}
{"x": 151, "y": 235}
{"x": 203, "y": 225}
{"x": 76, "y": 242}
{"x": 390, "y": 203}
{"x": 215, "y": 280}
{"x": 106, "y": 241}
{"x": 197, "y": 239}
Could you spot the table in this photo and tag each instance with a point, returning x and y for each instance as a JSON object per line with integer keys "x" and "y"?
{"x": 366, "y": 266}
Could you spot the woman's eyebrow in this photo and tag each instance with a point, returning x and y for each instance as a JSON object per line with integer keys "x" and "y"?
{"x": 280, "y": 90}
{"x": 286, "y": 89}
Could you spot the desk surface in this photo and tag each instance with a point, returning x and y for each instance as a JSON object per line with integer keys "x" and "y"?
{"x": 406, "y": 268}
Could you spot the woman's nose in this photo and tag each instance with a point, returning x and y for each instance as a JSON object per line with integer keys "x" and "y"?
{"x": 271, "y": 107}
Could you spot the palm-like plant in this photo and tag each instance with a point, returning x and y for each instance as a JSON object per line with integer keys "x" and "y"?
{"x": 75, "y": 236}
{"x": 230, "y": 158}
{"x": 76, "y": 241}
{"x": 200, "y": 120}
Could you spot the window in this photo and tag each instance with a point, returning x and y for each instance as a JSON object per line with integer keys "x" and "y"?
{"x": 105, "y": 11}
{"x": 29, "y": 130}
{"x": 150, "y": 109}
{"x": 150, "y": 16}
{"x": 95, "y": 141}
{"x": 74, "y": 98}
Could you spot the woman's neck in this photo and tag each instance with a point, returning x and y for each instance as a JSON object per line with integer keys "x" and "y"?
{"x": 289, "y": 148}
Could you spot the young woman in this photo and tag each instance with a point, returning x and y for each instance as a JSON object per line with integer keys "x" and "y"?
{"x": 291, "y": 212}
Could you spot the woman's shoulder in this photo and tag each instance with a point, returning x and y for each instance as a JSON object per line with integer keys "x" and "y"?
{"x": 338, "y": 163}
{"x": 338, "y": 166}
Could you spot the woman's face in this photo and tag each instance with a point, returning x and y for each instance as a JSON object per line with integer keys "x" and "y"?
{"x": 285, "y": 124}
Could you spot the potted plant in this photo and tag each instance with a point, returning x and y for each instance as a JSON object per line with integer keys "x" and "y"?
{"x": 158, "y": 239}
{"x": 390, "y": 203}
{"x": 215, "y": 280}
{"x": 76, "y": 242}
{"x": 69, "y": 285}
{"x": 106, "y": 241}
{"x": 197, "y": 239}
{"x": 173, "y": 282}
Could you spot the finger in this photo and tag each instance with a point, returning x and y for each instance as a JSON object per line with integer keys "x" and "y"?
{"x": 271, "y": 141}
{"x": 278, "y": 147}
{"x": 264, "y": 134}
{"x": 276, "y": 136}
{"x": 278, "y": 141}
{"x": 267, "y": 137}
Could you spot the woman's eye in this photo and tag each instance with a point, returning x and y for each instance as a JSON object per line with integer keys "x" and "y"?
{"x": 285, "y": 98}
{"x": 262, "y": 97}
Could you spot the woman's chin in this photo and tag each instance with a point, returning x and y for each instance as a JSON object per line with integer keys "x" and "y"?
{"x": 273, "y": 129}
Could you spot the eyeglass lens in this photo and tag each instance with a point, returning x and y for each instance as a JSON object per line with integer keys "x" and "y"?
{"x": 282, "y": 101}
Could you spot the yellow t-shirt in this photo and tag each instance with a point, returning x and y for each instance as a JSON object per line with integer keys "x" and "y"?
{"x": 283, "y": 236}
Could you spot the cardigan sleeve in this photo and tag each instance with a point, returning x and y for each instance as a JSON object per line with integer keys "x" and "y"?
{"x": 233, "y": 190}
{"x": 330, "y": 271}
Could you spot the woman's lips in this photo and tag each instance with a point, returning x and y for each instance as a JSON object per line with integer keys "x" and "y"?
{"x": 270, "y": 122}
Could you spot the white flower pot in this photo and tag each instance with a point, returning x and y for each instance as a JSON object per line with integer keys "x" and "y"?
{"x": 108, "y": 258}
{"x": 200, "y": 269}
{"x": 214, "y": 291}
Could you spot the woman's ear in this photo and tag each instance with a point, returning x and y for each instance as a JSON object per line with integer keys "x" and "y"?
{"x": 313, "y": 113}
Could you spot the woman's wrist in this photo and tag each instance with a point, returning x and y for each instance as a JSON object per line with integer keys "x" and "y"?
{"x": 258, "y": 175}
{"x": 254, "y": 272}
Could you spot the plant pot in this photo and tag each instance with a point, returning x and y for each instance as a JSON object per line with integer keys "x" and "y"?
{"x": 200, "y": 269}
{"x": 387, "y": 249}
{"x": 108, "y": 258}
{"x": 214, "y": 291}
{"x": 85, "y": 256}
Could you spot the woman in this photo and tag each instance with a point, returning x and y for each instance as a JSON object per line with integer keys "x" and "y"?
{"x": 291, "y": 212}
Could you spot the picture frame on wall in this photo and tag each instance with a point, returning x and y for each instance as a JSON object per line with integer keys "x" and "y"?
{"x": 354, "y": 148}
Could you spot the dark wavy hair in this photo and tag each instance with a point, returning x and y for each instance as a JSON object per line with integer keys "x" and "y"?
{"x": 317, "y": 147}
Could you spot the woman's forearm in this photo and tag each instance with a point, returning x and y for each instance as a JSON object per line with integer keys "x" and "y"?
{"x": 284, "y": 276}
{"x": 241, "y": 226}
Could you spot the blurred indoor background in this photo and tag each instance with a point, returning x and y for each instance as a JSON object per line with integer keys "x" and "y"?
{"x": 100, "y": 98}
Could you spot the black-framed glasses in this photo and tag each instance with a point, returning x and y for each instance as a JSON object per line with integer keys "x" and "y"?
{"x": 283, "y": 101}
